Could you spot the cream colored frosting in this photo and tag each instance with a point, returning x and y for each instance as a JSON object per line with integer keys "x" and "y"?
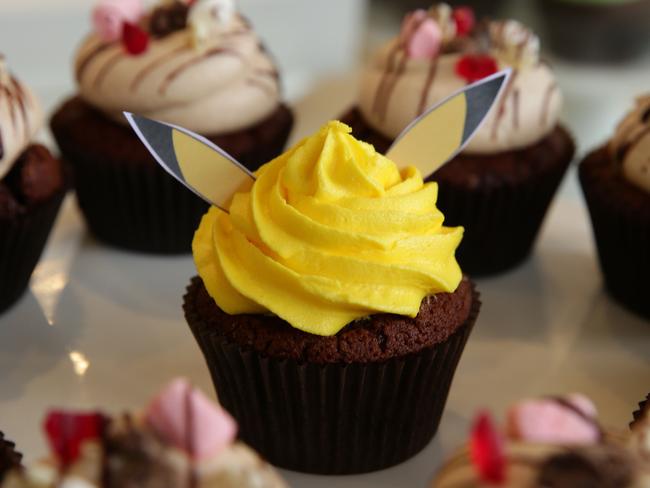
{"x": 395, "y": 89}
{"x": 20, "y": 118}
{"x": 225, "y": 84}
{"x": 631, "y": 144}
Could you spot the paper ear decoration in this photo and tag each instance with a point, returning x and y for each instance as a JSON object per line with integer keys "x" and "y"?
{"x": 446, "y": 128}
{"x": 427, "y": 143}
{"x": 200, "y": 165}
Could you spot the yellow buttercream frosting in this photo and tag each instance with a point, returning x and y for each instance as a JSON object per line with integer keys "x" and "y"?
{"x": 331, "y": 231}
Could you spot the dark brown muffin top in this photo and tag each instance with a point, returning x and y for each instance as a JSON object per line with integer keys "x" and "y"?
{"x": 34, "y": 178}
{"x": 9, "y": 458}
{"x": 375, "y": 338}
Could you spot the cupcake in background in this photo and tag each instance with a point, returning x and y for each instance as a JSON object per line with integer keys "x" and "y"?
{"x": 642, "y": 412}
{"x": 32, "y": 187}
{"x": 198, "y": 64}
{"x": 551, "y": 442}
{"x": 615, "y": 180}
{"x": 500, "y": 187}
{"x": 182, "y": 439}
{"x": 9, "y": 458}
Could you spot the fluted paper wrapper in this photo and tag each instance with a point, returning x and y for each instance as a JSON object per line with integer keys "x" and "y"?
{"x": 333, "y": 418}
{"x": 622, "y": 235}
{"x": 22, "y": 240}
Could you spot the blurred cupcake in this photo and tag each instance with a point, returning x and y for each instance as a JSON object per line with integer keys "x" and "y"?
{"x": 182, "y": 439}
{"x": 330, "y": 307}
{"x": 616, "y": 183}
{"x": 500, "y": 187}
{"x": 9, "y": 457}
{"x": 642, "y": 413}
{"x": 32, "y": 186}
{"x": 198, "y": 64}
{"x": 548, "y": 443}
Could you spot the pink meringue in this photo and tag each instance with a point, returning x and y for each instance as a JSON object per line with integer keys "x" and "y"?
{"x": 552, "y": 421}
{"x": 421, "y": 36}
{"x": 189, "y": 420}
{"x": 109, "y": 16}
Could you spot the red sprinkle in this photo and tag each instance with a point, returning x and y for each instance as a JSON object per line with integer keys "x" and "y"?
{"x": 66, "y": 432}
{"x": 487, "y": 450}
{"x": 134, "y": 38}
{"x": 476, "y": 67}
{"x": 465, "y": 20}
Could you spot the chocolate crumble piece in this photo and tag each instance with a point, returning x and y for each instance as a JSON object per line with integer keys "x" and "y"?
{"x": 168, "y": 19}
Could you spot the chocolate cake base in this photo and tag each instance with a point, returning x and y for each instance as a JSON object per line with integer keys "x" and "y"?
{"x": 620, "y": 217}
{"x": 128, "y": 201}
{"x": 30, "y": 198}
{"x": 365, "y": 399}
{"x": 501, "y": 199}
{"x": 9, "y": 457}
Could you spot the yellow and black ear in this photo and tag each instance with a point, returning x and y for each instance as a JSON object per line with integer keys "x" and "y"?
{"x": 197, "y": 163}
{"x": 446, "y": 128}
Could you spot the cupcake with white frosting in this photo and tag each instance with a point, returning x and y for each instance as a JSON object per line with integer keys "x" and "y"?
{"x": 32, "y": 186}
{"x": 196, "y": 64}
{"x": 502, "y": 183}
{"x": 181, "y": 440}
{"x": 615, "y": 180}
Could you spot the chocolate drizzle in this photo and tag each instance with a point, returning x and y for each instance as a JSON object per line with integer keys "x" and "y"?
{"x": 83, "y": 64}
{"x": 428, "y": 83}
{"x": 388, "y": 81}
{"x": 2, "y": 147}
{"x": 501, "y": 110}
{"x": 179, "y": 70}
{"x": 149, "y": 68}
{"x": 110, "y": 62}
{"x": 546, "y": 103}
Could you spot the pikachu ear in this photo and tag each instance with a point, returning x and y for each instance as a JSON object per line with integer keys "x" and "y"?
{"x": 197, "y": 163}
{"x": 446, "y": 128}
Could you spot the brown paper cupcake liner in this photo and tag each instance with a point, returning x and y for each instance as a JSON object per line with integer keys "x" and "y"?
{"x": 332, "y": 418}
{"x": 622, "y": 234}
{"x": 638, "y": 414}
{"x": 501, "y": 221}
{"x": 22, "y": 240}
{"x": 9, "y": 457}
{"x": 127, "y": 200}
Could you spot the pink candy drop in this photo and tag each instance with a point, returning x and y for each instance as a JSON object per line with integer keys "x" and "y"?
{"x": 109, "y": 16}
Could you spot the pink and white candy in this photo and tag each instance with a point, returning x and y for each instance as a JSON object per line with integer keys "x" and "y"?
{"x": 187, "y": 419}
{"x": 571, "y": 420}
{"x": 109, "y": 17}
{"x": 421, "y": 35}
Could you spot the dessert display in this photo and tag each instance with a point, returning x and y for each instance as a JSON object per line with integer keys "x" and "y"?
{"x": 499, "y": 188}
{"x": 9, "y": 458}
{"x": 615, "y": 180}
{"x": 181, "y": 439}
{"x": 552, "y": 442}
{"x": 198, "y": 64}
{"x": 32, "y": 186}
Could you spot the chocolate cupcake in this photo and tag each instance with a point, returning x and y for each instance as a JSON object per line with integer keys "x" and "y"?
{"x": 32, "y": 186}
{"x": 197, "y": 64}
{"x": 499, "y": 188}
{"x": 548, "y": 443}
{"x": 615, "y": 180}
{"x": 9, "y": 458}
{"x": 333, "y": 320}
{"x": 182, "y": 439}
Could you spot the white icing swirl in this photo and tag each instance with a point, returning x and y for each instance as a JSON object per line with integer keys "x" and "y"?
{"x": 225, "y": 84}
{"x": 395, "y": 89}
{"x": 20, "y": 118}
{"x": 631, "y": 144}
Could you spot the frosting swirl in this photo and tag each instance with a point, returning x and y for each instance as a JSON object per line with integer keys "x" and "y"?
{"x": 330, "y": 232}
{"x": 397, "y": 86}
{"x": 20, "y": 118}
{"x": 630, "y": 146}
{"x": 217, "y": 83}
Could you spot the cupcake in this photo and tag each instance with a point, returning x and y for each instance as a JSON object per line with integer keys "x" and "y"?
{"x": 9, "y": 457}
{"x": 32, "y": 186}
{"x": 499, "y": 188}
{"x": 548, "y": 443}
{"x": 198, "y": 64}
{"x": 182, "y": 439}
{"x": 330, "y": 308}
{"x": 615, "y": 180}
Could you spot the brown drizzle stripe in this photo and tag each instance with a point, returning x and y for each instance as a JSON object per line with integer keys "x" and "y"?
{"x": 433, "y": 67}
{"x": 385, "y": 77}
{"x": 515, "y": 108}
{"x": 2, "y": 148}
{"x": 109, "y": 64}
{"x": 20, "y": 98}
{"x": 390, "y": 87}
{"x": 546, "y": 103}
{"x": 10, "y": 102}
{"x": 88, "y": 58}
{"x": 270, "y": 72}
{"x": 265, "y": 87}
{"x": 502, "y": 104}
{"x": 178, "y": 71}
{"x": 149, "y": 68}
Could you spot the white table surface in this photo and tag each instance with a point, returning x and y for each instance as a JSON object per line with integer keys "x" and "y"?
{"x": 101, "y": 327}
